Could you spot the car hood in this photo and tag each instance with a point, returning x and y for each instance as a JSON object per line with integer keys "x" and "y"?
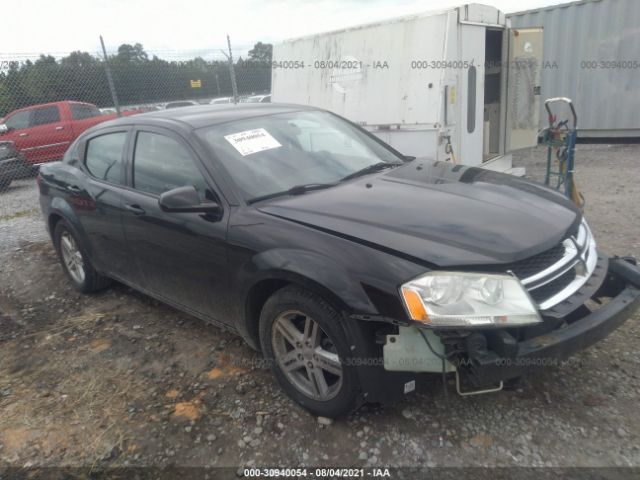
{"x": 438, "y": 214}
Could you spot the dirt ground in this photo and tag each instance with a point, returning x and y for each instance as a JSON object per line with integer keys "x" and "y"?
{"x": 118, "y": 379}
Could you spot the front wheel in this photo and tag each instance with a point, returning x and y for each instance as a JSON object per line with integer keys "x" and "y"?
{"x": 303, "y": 340}
{"x": 74, "y": 260}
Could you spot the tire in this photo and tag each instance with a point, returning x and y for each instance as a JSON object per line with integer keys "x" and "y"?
{"x": 79, "y": 271}
{"x": 4, "y": 183}
{"x": 328, "y": 346}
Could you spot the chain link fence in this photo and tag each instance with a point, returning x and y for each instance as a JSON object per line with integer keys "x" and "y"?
{"x": 47, "y": 100}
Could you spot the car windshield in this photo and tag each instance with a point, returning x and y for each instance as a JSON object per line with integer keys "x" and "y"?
{"x": 273, "y": 153}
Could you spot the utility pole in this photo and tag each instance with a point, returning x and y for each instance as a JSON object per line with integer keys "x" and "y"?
{"x": 112, "y": 87}
{"x": 232, "y": 72}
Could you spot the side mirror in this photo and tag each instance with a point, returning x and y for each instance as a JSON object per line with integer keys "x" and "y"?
{"x": 3, "y": 128}
{"x": 184, "y": 200}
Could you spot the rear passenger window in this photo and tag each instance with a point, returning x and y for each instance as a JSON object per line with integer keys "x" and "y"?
{"x": 80, "y": 111}
{"x": 160, "y": 163}
{"x": 45, "y": 115}
{"x": 104, "y": 156}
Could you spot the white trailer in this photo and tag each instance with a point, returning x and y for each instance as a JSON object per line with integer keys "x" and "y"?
{"x": 457, "y": 85}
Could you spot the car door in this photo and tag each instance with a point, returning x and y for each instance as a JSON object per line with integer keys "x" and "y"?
{"x": 48, "y": 136}
{"x": 94, "y": 192}
{"x": 182, "y": 256}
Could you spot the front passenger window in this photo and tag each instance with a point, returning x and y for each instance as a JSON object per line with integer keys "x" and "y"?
{"x": 18, "y": 121}
{"x": 161, "y": 163}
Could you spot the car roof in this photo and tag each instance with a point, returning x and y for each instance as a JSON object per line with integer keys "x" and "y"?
{"x": 199, "y": 116}
{"x": 49, "y": 104}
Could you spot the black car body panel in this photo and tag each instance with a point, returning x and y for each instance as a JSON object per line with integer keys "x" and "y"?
{"x": 353, "y": 244}
{"x": 439, "y": 214}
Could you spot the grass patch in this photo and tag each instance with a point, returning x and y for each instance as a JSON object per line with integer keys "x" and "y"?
{"x": 21, "y": 213}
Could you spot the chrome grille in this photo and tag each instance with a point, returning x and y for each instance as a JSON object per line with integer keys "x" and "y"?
{"x": 537, "y": 263}
{"x": 548, "y": 290}
{"x": 552, "y": 276}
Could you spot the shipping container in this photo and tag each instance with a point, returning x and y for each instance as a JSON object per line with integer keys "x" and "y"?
{"x": 456, "y": 84}
{"x": 592, "y": 55}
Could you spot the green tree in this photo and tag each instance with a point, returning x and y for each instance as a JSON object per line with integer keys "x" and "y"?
{"x": 138, "y": 78}
{"x": 132, "y": 53}
{"x": 261, "y": 52}
{"x": 79, "y": 60}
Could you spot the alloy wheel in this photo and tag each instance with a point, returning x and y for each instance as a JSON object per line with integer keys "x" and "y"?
{"x": 72, "y": 257}
{"x": 306, "y": 355}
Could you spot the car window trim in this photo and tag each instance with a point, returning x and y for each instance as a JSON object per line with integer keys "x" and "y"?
{"x": 100, "y": 133}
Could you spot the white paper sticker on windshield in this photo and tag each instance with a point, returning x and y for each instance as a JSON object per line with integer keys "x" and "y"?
{"x": 252, "y": 141}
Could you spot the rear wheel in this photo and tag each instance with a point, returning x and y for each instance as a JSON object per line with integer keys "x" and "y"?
{"x": 75, "y": 262}
{"x": 301, "y": 335}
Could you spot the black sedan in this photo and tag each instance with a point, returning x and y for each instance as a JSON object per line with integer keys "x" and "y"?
{"x": 356, "y": 271}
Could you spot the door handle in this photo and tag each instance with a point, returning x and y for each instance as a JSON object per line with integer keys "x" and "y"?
{"x": 74, "y": 189}
{"x": 59, "y": 128}
{"x": 23, "y": 135}
{"x": 135, "y": 209}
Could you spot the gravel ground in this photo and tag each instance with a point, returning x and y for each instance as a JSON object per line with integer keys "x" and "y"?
{"x": 118, "y": 379}
{"x": 20, "y": 219}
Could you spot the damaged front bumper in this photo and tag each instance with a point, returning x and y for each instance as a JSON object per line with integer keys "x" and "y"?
{"x": 622, "y": 286}
{"x": 483, "y": 359}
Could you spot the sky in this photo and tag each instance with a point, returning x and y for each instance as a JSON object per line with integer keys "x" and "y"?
{"x": 197, "y": 27}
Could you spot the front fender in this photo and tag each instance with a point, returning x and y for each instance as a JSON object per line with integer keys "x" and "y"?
{"x": 312, "y": 271}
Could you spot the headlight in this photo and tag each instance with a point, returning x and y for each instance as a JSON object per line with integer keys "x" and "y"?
{"x": 457, "y": 299}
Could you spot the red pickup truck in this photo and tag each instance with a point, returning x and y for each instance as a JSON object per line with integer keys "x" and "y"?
{"x": 42, "y": 133}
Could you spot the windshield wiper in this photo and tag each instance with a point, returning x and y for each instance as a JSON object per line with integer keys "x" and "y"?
{"x": 308, "y": 187}
{"x": 295, "y": 190}
{"x": 376, "y": 167}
